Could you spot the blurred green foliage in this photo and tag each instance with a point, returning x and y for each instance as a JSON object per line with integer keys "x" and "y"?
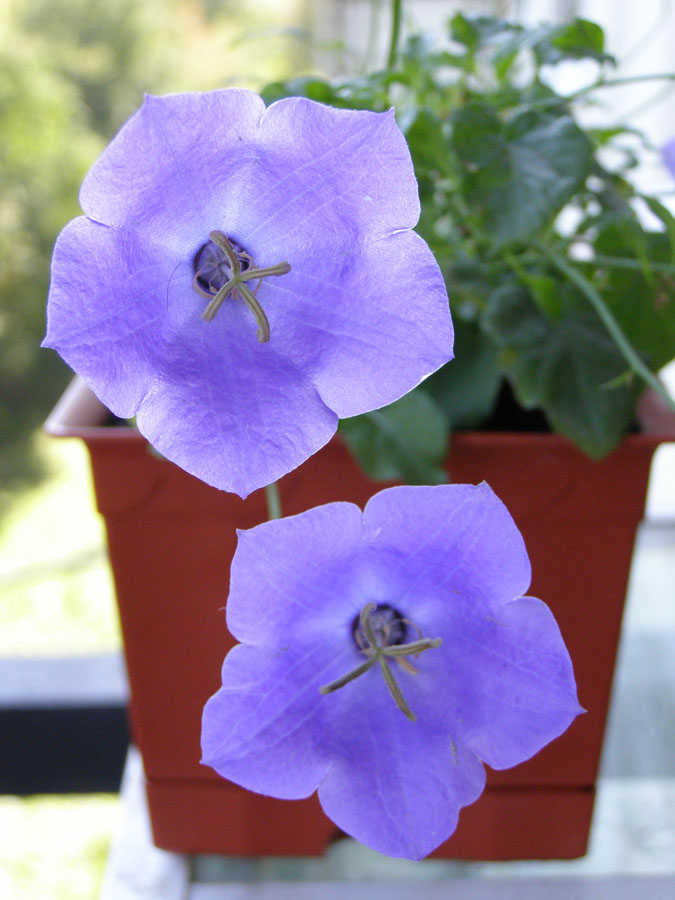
{"x": 538, "y": 232}
{"x": 71, "y": 72}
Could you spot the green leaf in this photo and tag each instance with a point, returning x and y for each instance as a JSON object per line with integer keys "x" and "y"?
{"x": 579, "y": 39}
{"x": 467, "y": 387}
{"x": 480, "y": 31}
{"x": 463, "y": 31}
{"x": 428, "y": 145}
{"x": 564, "y": 367}
{"x": 405, "y": 441}
{"x": 543, "y": 287}
{"x": 643, "y": 306}
{"x": 519, "y": 175}
{"x": 603, "y": 136}
{"x": 666, "y": 217}
{"x": 477, "y": 135}
{"x": 445, "y": 59}
{"x": 306, "y": 86}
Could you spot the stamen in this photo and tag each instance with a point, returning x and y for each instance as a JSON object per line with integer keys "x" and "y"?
{"x": 378, "y": 652}
{"x": 216, "y": 280}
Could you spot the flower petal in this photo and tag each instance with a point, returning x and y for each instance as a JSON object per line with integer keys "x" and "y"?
{"x": 250, "y": 421}
{"x": 450, "y": 537}
{"x": 107, "y": 302}
{"x": 508, "y": 678}
{"x": 367, "y": 328}
{"x": 344, "y": 172}
{"x": 179, "y": 168}
{"x": 293, "y": 574}
{"x": 257, "y": 730}
{"x": 396, "y": 785}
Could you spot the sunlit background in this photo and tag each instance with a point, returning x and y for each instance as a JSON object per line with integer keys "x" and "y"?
{"x": 71, "y": 72}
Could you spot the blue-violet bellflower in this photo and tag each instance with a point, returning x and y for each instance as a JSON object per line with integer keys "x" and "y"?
{"x": 385, "y": 656}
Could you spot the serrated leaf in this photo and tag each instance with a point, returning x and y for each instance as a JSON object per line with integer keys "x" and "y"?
{"x": 519, "y": 175}
{"x": 480, "y": 31}
{"x": 642, "y": 303}
{"x": 564, "y": 368}
{"x": 578, "y": 39}
{"x": 466, "y": 388}
{"x": 428, "y": 146}
{"x": 405, "y": 441}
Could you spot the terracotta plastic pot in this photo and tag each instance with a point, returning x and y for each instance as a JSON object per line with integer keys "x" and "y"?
{"x": 171, "y": 540}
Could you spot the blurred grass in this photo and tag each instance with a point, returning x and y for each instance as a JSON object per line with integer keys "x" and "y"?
{"x": 57, "y": 599}
{"x": 54, "y": 848}
{"x": 56, "y": 587}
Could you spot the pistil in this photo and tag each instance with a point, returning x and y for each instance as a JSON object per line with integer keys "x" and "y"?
{"x": 377, "y": 652}
{"x": 227, "y": 277}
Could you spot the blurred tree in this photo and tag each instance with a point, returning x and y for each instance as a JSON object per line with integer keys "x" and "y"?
{"x": 46, "y": 147}
{"x": 71, "y": 72}
{"x": 111, "y": 52}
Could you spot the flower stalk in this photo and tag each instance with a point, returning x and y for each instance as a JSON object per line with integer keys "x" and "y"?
{"x": 273, "y": 499}
{"x": 395, "y": 32}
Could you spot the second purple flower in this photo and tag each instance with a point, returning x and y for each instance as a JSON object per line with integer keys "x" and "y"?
{"x": 384, "y": 657}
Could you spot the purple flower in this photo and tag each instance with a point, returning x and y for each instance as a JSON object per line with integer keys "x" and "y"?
{"x": 243, "y": 277}
{"x": 384, "y": 657}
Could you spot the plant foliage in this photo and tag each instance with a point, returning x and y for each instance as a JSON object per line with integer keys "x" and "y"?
{"x": 499, "y": 156}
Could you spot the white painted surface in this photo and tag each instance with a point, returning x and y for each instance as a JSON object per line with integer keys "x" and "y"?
{"x": 136, "y": 869}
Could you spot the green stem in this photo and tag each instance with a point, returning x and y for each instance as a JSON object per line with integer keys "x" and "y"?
{"x": 608, "y": 320}
{"x": 395, "y": 32}
{"x": 273, "y": 501}
{"x": 620, "y": 262}
{"x": 618, "y": 82}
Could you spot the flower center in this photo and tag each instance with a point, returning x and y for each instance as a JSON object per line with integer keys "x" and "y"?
{"x": 379, "y": 632}
{"x": 222, "y": 268}
{"x": 387, "y": 623}
{"x": 212, "y": 266}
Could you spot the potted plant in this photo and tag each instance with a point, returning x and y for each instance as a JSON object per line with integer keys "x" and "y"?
{"x": 555, "y": 332}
